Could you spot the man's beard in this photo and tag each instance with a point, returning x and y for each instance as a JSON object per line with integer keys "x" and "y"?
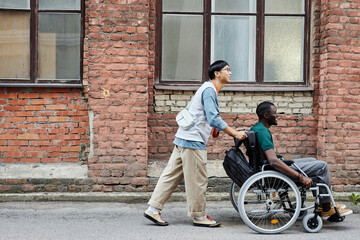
{"x": 274, "y": 123}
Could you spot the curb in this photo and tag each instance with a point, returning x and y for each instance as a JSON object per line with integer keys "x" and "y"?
{"x": 126, "y": 197}
{"x": 123, "y": 197}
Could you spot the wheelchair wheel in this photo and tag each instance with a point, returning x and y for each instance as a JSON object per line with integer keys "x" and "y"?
{"x": 234, "y": 193}
{"x": 312, "y": 224}
{"x": 269, "y": 202}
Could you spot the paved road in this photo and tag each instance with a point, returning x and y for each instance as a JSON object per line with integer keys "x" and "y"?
{"x": 107, "y": 221}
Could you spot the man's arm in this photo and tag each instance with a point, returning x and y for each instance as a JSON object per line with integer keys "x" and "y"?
{"x": 285, "y": 169}
{"x": 213, "y": 115}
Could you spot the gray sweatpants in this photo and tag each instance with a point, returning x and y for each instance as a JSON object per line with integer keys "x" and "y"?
{"x": 317, "y": 170}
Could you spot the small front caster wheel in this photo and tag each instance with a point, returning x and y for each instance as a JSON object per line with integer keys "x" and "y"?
{"x": 312, "y": 224}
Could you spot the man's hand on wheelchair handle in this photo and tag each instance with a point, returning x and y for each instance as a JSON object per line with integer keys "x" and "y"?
{"x": 240, "y": 135}
{"x": 235, "y": 133}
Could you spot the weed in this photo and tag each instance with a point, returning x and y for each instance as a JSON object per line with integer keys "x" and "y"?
{"x": 355, "y": 198}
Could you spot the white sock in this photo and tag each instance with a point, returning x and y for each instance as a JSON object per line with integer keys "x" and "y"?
{"x": 153, "y": 210}
{"x": 199, "y": 218}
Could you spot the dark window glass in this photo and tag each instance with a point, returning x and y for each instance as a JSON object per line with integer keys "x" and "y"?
{"x": 41, "y": 46}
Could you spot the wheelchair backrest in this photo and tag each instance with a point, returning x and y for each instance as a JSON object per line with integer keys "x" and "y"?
{"x": 254, "y": 152}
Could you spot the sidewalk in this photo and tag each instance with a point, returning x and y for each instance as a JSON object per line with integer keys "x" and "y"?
{"x": 133, "y": 197}
{"x": 122, "y": 221}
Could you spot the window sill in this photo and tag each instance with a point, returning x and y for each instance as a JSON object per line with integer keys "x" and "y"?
{"x": 40, "y": 85}
{"x": 241, "y": 88}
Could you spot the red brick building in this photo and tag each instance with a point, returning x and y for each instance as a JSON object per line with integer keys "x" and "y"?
{"x": 89, "y": 89}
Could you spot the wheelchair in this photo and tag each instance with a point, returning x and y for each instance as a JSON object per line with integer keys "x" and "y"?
{"x": 269, "y": 202}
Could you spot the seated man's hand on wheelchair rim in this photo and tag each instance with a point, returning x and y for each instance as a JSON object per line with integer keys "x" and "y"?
{"x": 308, "y": 182}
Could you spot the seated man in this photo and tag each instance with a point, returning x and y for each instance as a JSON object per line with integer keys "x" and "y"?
{"x": 315, "y": 169}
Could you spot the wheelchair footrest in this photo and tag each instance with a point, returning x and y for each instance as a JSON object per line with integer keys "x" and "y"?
{"x": 336, "y": 218}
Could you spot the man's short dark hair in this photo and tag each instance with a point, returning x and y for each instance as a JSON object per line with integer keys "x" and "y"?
{"x": 263, "y": 108}
{"x": 216, "y": 66}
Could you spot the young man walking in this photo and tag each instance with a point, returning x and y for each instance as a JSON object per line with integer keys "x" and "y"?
{"x": 189, "y": 157}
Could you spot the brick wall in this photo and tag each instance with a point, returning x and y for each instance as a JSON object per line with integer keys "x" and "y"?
{"x": 42, "y": 126}
{"x": 118, "y": 51}
{"x": 109, "y": 133}
{"x": 337, "y": 81}
{"x": 238, "y": 102}
{"x": 121, "y": 128}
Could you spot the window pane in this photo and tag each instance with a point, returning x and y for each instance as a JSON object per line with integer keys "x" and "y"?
{"x": 182, "y": 49}
{"x": 14, "y": 45}
{"x": 284, "y": 42}
{"x": 59, "y": 46}
{"x": 234, "y": 6}
{"x": 15, "y": 4}
{"x": 183, "y": 5}
{"x": 285, "y": 6}
{"x": 59, "y": 5}
{"x": 233, "y": 40}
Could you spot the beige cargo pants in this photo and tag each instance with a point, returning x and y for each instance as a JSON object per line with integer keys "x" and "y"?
{"x": 190, "y": 165}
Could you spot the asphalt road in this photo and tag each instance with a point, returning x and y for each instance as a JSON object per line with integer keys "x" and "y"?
{"x": 107, "y": 221}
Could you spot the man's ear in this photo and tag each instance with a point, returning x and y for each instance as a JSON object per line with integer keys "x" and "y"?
{"x": 266, "y": 115}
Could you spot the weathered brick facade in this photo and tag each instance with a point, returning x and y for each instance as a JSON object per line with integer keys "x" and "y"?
{"x": 118, "y": 46}
{"x": 42, "y": 126}
{"x": 121, "y": 128}
{"x": 337, "y": 88}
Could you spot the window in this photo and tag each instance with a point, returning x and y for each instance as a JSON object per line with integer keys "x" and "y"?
{"x": 41, "y": 42}
{"x": 266, "y": 42}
